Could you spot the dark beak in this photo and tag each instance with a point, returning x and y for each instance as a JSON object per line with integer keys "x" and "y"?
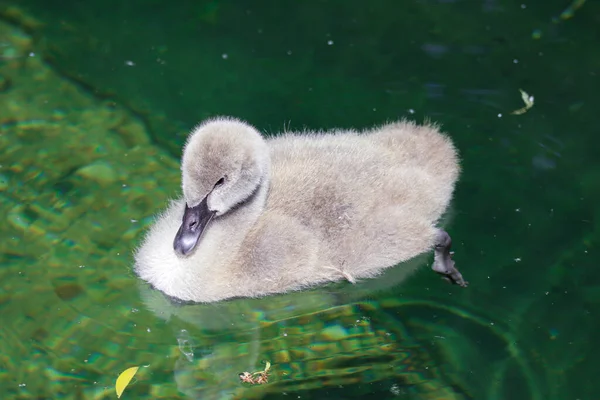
{"x": 195, "y": 221}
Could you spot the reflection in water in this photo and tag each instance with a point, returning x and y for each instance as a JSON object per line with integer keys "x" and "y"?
{"x": 186, "y": 344}
{"x": 336, "y": 337}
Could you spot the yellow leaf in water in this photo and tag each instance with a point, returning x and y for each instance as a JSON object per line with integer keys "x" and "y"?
{"x": 124, "y": 379}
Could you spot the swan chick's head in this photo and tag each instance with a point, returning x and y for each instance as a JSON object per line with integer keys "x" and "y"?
{"x": 224, "y": 162}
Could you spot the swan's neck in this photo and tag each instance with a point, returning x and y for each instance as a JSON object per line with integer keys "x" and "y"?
{"x": 225, "y": 234}
{"x": 245, "y": 215}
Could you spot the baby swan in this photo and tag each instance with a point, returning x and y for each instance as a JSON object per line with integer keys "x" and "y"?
{"x": 261, "y": 216}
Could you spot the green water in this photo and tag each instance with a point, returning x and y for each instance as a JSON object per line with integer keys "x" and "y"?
{"x": 524, "y": 219}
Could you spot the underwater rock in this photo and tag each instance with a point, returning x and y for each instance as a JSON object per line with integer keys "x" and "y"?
{"x": 3, "y": 182}
{"x": 4, "y": 83}
{"x": 100, "y": 171}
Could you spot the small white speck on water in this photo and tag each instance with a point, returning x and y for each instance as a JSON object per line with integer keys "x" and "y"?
{"x": 148, "y": 330}
{"x": 22, "y": 384}
{"x": 289, "y": 52}
{"x": 330, "y": 42}
{"x": 224, "y": 56}
{"x": 500, "y": 115}
{"x": 523, "y": 6}
{"x": 518, "y": 259}
{"x": 515, "y": 61}
{"x": 133, "y": 221}
{"x": 82, "y": 266}
{"x": 32, "y": 54}
{"x": 411, "y": 111}
{"x": 130, "y": 63}
{"x": 517, "y": 210}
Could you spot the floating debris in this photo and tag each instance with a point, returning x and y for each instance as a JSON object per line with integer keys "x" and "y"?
{"x": 536, "y": 34}
{"x": 527, "y": 99}
{"x": 246, "y": 377}
{"x": 256, "y": 378}
{"x": 569, "y": 12}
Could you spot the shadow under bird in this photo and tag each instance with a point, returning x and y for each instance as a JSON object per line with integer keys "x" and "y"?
{"x": 261, "y": 216}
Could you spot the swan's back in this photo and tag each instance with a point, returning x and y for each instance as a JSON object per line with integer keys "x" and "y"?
{"x": 423, "y": 147}
{"x": 396, "y": 161}
{"x": 342, "y": 184}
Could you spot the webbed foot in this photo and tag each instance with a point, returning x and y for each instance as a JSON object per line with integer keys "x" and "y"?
{"x": 443, "y": 263}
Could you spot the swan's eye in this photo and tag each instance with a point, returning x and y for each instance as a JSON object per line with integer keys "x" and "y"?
{"x": 220, "y": 182}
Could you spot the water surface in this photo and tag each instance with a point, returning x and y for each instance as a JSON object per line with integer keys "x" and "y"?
{"x": 97, "y": 98}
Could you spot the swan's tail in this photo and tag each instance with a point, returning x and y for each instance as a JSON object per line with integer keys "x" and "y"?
{"x": 424, "y": 148}
{"x": 421, "y": 146}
